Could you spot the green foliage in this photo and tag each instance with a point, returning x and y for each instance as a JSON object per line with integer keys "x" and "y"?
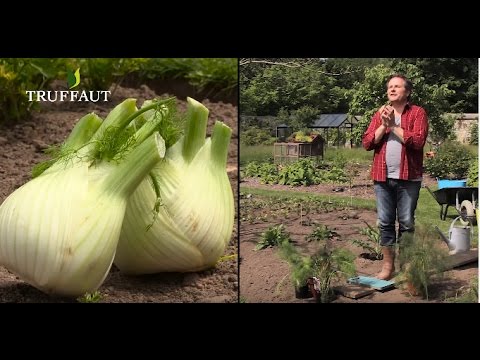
{"x": 421, "y": 260}
{"x": 354, "y": 155}
{"x": 300, "y": 266}
{"x": 303, "y": 172}
{"x": 302, "y": 117}
{"x": 451, "y": 161}
{"x": 339, "y": 161}
{"x": 357, "y": 86}
{"x": 372, "y": 244}
{"x": 273, "y": 236}
{"x": 300, "y": 136}
{"x": 472, "y": 177}
{"x": 90, "y": 298}
{"x": 321, "y": 232}
{"x": 445, "y": 129}
{"x": 474, "y": 134}
{"x": 256, "y": 136}
{"x": 220, "y": 73}
{"x": 329, "y": 265}
{"x": 272, "y": 87}
{"x": 267, "y": 172}
{"x": 99, "y": 73}
{"x": 259, "y": 153}
{"x": 336, "y": 138}
{"x": 325, "y": 265}
{"x": 24, "y": 74}
{"x": 283, "y": 116}
{"x": 467, "y": 294}
{"x": 459, "y": 74}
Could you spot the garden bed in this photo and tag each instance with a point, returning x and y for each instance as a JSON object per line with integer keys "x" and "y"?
{"x": 22, "y": 147}
{"x": 265, "y": 277}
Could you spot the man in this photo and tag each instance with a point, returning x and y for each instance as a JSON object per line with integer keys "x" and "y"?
{"x": 397, "y": 134}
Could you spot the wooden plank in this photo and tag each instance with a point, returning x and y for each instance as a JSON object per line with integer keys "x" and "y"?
{"x": 372, "y": 282}
{"x": 353, "y": 291}
{"x": 462, "y": 258}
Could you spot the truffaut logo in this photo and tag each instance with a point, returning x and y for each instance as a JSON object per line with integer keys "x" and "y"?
{"x": 73, "y": 80}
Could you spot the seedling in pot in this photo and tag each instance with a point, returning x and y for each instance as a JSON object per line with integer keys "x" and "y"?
{"x": 300, "y": 268}
{"x": 329, "y": 265}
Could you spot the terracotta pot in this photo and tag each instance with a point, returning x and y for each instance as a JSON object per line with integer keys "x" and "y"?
{"x": 318, "y": 295}
{"x": 412, "y": 290}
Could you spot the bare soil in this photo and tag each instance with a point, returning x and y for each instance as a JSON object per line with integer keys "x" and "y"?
{"x": 22, "y": 146}
{"x": 265, "y": 277}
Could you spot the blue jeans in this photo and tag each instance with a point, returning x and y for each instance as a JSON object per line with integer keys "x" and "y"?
{"x": 396, "y": 197}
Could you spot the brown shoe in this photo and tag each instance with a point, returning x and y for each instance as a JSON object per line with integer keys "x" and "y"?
{"x": 388, "y": 267}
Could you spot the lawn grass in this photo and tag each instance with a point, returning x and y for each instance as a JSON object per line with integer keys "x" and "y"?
{"x": 357, "y": 155}
{"x": 260, "y": 153}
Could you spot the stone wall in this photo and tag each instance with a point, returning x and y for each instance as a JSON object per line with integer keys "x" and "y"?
{"x": 462, "y": 127}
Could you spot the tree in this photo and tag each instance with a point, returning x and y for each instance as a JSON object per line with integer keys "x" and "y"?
{"x": 288, "y": 87}
{"x": 459, "y": 74}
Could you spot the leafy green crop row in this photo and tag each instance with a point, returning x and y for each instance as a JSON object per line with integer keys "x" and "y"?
{"x": 302, "y": 172}
{"x": 18, "y": 75}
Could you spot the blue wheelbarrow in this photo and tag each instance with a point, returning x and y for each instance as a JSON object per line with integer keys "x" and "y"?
{"x": 464, "y": 199}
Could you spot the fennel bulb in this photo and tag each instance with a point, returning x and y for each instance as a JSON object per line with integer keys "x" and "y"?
{"x": 192, "y": 198}
{"x": 59, "y": 231}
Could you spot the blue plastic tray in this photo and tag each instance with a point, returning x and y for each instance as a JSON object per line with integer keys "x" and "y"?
{"x": 451, "y": 183}
{"x": 372, "y": 282}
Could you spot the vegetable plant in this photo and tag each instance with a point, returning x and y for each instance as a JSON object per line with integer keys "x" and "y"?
{"x": 451, "y": 161}
{"x": 180, "y": 218}
{"x": 421, "y": 260}
{"x": 371, "y": 244}
{"x": 90, "y": 298}
{"x": 329, "y": 265}
{"x": 273, "y": 236}
{"x": 321, "y": 232}
{"x": 300, "y": 265}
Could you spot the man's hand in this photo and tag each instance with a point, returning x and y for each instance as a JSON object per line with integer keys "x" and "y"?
{"x": 387, "y": 114}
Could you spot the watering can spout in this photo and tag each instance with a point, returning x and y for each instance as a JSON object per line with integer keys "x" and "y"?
{"x": 444, "y": 238}
{"x": 458, "y": 237}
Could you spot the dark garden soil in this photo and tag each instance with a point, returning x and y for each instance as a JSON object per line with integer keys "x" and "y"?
{"x": 21, "y": 147}
{"x": 265, "y": 277}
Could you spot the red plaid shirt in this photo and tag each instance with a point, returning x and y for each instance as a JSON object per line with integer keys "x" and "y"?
{"x": 415, "y": 130}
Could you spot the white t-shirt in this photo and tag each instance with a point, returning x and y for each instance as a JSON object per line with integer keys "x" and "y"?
{"x": 393, "y": 153}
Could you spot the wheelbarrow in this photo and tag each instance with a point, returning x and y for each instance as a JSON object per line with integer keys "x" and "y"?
{"x": 463, "y": 198}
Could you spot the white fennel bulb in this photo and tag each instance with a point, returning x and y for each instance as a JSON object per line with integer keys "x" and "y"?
{"x": 59, "y": 231}
{"x": 193, "y": 201}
